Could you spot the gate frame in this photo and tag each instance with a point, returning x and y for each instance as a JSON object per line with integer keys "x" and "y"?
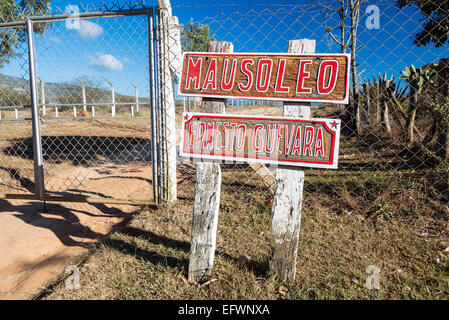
{"x": 155, "y": 113}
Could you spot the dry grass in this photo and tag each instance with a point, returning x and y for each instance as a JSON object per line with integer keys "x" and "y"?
{"x": 402, "y": 231}
{"x": 376, "y": 210}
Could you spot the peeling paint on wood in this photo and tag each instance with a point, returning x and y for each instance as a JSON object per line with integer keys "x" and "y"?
{"x": 207, "y": 197}
{"x": 205, "y": 221}
{"x": 287, "y": 204}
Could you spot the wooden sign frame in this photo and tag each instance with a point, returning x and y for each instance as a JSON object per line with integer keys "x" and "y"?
{"x": 332, "y": 126}
{"x": 286, "y": 67}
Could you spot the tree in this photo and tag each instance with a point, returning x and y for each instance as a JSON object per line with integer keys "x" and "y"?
{"x": 348, "y": 9}
{"x": 13, "y": 10}
{"x": 436, "y": 22}
{"x": 417, "y": 79}
{"x": 195, "y": 36}
{"x": 435, "y": 30}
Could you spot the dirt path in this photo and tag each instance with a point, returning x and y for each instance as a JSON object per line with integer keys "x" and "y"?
{"x": 35, "y": 245}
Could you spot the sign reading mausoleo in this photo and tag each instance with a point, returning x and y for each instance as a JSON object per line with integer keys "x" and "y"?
{"x": 279, "y": 140}
{"x": 285, "y": 77}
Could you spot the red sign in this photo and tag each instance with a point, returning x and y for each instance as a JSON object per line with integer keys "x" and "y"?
{"x": 284, "y": 77}
{"x": 279, "y": 140}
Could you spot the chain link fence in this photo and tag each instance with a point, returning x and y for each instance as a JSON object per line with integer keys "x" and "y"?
{"x": 394, "y": 145}
{"x": 94, "y": 83}
{"x": 16, "y": 170}
{"x": 93, "y": 87}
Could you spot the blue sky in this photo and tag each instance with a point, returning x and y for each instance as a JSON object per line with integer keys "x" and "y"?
{"x": 115, "y": 49}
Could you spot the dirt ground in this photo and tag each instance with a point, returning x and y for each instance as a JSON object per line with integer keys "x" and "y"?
{"x": 36, "y": 245}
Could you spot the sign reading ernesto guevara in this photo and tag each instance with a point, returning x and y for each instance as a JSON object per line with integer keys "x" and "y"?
{"x": 267, "y": 76}
{"x": 284, "y": 141}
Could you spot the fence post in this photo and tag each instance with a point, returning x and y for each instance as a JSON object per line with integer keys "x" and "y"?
{"x": 207, "y": 196}
{"x": 137, "y": 95}
{"x": 83, "y": 92}
{"x": 37, "y": 142}
{"x": 113, "y": 99}
{"x": 154, "y": 112}
{"x": 286, "y": 211}
{"x": 42, "y": 95}
{"x": 168, "y": 104}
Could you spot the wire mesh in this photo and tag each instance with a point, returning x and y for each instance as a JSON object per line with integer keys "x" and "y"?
{"x": 106, "y": 151}
{"x": 394, "y": 135}
{"x": 394, "y": 139}
{"x": 94, "y": 102}
{"x": 16, "y": 164}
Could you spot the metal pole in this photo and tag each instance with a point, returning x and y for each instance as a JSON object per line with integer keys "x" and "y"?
{"x": 81, "y": 15}
{"x": 154, "y": 140}
{"x": 161, "y": 114}
{"x": 37, "y": 142}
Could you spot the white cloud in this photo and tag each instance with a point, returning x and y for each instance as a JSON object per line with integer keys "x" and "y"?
{"x": 86, "y": 28}
{"x": 89, "y": 29}
{"x": 107, "y": 61}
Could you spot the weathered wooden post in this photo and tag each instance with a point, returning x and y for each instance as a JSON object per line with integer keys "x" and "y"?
{"x": 294, "y": 140}
{"x": 286, "y": 210}
{"x": 207, "y": 196}
{"x": 42, "y": 95}
{"x": 113, "y": 99}
{"x": 83, "y": 94}
{"x": 137, "y": 96}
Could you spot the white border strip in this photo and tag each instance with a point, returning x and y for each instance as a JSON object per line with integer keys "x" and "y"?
{"x": 328, "y": 121}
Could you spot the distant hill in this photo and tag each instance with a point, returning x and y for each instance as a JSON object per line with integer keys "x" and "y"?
{"x": 14, "y": 91}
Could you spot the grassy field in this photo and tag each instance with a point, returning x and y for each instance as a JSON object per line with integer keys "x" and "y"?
{"x": 351, "y": 220}
{"x": 379, "y": 208}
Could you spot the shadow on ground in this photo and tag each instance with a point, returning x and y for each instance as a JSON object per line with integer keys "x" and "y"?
{"x": 258, "y": 268}
{"x": 82, "y": 150}
{"x": 61, "y": 220}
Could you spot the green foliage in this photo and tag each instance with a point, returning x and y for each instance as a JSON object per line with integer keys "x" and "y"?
{"x": 10, "y": 97}
{"x": 382, "y": 88}
{"x": 389, "y": 86}
{"x": 419, "y": 77}
{"x": 195, "y": 36}
{"x": 440, "y": 111}
{"x": 436, "y": 21}
{"x": 13, "y": 10}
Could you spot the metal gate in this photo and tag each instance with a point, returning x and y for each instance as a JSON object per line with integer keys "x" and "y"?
{"x": 80, "y": 139}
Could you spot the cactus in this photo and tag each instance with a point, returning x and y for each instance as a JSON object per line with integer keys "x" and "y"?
{"x": 417, "y": 79}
